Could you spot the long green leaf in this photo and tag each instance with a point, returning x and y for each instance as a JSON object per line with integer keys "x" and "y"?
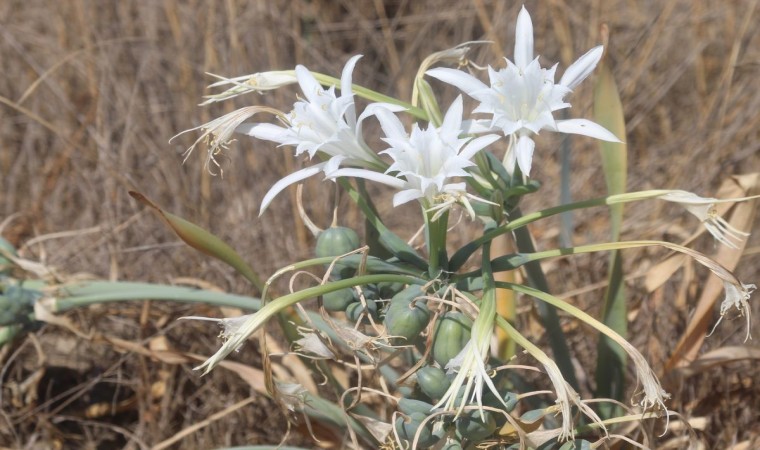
{"x": 548, "y": 313}
{"x": 611, "y": 359}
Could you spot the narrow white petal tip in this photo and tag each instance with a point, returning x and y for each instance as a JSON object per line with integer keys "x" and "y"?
{"x": 523, "y": 39}
{"x": 582, "y": 68}
{"x": 586, "y": 128}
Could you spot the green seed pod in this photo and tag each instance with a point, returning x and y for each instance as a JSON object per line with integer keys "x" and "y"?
{"x": 452, "y": 332}
{"x": 474, "y": 428}
{"x": 339, "y": 300}
{"x": 452, "y": 445}
{"x": 17, "y": 304}
{"x": 578, "y": 444}
{"x": 510, "y": 398}
{"x": 370, "y": 292}
{"x": 433, "y": 382}
{"x": 407, "y": 427}
{"x": 406, "y": 319}
{"x": 388, "y": 289}
{"x": 356, "y": 310}
{"x": 336, "y": 241}
{"x": 407, "y": 295}
{"x": 409, "y": 406}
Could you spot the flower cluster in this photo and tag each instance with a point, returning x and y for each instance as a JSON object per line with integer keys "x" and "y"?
{"x": 442, "y": 161}
{"x": 427, "y": 162}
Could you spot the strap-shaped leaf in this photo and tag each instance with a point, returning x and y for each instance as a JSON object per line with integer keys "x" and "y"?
{"x": 611, "y": 359}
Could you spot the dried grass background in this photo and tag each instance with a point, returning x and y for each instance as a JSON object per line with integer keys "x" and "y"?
{"x": 91, "y": 92}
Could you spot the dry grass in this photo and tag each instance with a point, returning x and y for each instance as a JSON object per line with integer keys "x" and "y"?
{"x": 92, "y": 93}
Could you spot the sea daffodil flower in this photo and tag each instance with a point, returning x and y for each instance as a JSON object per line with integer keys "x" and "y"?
{"x": 704, "y": 209}
{"x": 523, "y": 97}
{"x": 425, "y": 161}
{"x": 322, "y": 123}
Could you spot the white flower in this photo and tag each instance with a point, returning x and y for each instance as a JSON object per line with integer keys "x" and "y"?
{"x": 230, "y": 328}
{"x": 471, "y": 373}
{"x": 257, "y": 82}
{"x": 470, "y": 363}
{"x": 737, "y": 296}
{"x": 217, "y": 134}
{"x": 523, "y": 96}
{"x": 235, "y": 333}
{"x": 704, "y": 209}
{"x": 425, "y": 162}
{"x": 323, "y": 122}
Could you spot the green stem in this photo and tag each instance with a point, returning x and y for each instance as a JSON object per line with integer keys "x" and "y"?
{"x": 374, "y": 96}
{"x": 461, "y": 256}
{"x": 84, "y": 294}
{"x": 435, "y": 234}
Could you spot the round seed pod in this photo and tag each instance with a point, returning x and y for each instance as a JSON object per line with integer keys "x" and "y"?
{"x": 433, "y": 382}
{"x": 408, "y": 294}
{"x": 407, "y": 428}
{"x": 474, "y": 428}
{"x": 406, "y": 320}
{"x": 452, "y": 332}
{"x": 339, "y": 300}
{"x": 510, "y": 399}
{"x": 355, "y": 310}
{"x": 452, "y": 445}
{"x": 336, "y": 241}
{"x": 410, "y": 406}
{"x": 17, "y": 304}
{"x": 388, "y": 289}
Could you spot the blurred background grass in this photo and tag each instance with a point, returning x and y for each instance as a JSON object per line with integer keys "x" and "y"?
{"x": 92, "y": 91}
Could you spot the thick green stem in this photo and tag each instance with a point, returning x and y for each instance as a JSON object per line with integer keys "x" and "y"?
{"x": 435, "y": 235}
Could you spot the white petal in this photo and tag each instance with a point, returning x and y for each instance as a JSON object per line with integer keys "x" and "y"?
{"x": 345, "y": 78}
{"x": 523, "y": 39}
{"x": 524, "y": 153}
{"x": 293, "y": 178}
{"x": 372, "y": 109}
{"x": 586, "y": 128}
{"x": 453, "y": 118}
{"x": 476, "y": 126}
{"x": 478, "y": 144}
{"x": 308, "y": 83}
{"x": 333, "y": 164}
{"x": 391, "y": 125}
{"x": 464, "y": 81}
{"x": 369, "y": 175}
{"x": 510, "y": 158}
{"x": 406, "y": 196}
{"x": 264, "y": 131}
{"x": 580, "y": 69}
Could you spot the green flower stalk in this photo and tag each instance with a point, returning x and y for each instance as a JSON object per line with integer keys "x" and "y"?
{"x": 566, "y": 395}
{"x": 238, "y": 330}
{"x": 470, "y": 364}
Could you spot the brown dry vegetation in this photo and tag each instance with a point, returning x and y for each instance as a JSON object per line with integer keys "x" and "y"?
{"x": 91, "y": 92}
